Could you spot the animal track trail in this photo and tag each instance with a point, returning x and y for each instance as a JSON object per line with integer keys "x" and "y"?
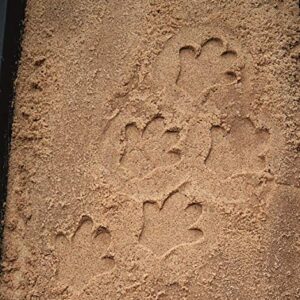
{"x": 85, "y": 255}
{"x": 241, "y": 149}
{"x": 152, "y": 147}
{"x": 172, "y": 225}
{"x": 205, "y": 67}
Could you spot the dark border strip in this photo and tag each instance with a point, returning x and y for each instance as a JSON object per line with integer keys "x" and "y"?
{"x": 12, "y": 14}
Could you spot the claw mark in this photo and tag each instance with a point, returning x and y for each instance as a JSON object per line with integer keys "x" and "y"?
{"x": 152, "y": 147}
{"x": 205, "y": 67}
{"x": 241, "y": 149}
{"x": 172, "y": 225}
{"x": 85, "y": 255}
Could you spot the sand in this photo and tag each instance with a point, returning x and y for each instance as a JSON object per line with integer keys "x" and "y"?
{"x": 155, "y": 152}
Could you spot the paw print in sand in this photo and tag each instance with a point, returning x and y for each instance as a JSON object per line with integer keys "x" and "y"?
{"x": 84, "y": 255}
{"x": 152, "y": 147}
{"x": 172, "y": 225}
{"x": 205, "y": 67}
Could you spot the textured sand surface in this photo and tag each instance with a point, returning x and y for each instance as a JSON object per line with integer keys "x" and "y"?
{"x": 155, "y": 152}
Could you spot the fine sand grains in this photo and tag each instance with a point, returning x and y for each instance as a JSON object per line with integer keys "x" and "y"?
{"x": 155, "y": 152}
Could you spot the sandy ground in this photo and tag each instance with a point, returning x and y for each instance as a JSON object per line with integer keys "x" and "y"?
{"x": 155, "y": 152}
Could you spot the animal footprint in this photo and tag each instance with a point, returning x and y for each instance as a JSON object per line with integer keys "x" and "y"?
{"x": 241, "y": 149}
{"x": 84, "y": 256}
{"x": 174, "y": 224}
{"x": 206, "y": 67}
{"x": 149, "y": 148}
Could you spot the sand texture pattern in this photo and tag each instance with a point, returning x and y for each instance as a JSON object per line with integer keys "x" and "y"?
{"x": 155, "y": 152}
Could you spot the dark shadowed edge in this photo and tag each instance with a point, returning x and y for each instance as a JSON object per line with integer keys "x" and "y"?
{"x": 12, "y": 14}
